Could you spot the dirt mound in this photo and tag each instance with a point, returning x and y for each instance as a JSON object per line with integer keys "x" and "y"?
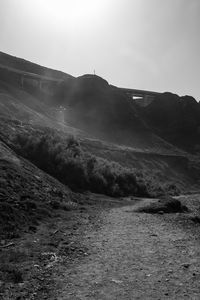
{"x": 163, "y": 205}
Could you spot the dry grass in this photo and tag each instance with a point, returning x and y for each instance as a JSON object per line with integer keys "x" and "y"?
{"x": 68, "y": 162}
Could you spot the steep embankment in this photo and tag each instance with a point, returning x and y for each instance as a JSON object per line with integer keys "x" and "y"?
{"x": 27, "y": 194}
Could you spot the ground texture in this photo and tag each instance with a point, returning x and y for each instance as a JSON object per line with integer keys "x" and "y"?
{"x": 137, "y": 256}
{"x": 108, "y": 251}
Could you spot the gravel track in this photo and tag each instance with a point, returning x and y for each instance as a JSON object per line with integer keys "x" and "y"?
{"x": 136, "y": 256}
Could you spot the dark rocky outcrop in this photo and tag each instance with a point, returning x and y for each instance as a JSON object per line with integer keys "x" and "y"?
{"x": 175, "y": 118}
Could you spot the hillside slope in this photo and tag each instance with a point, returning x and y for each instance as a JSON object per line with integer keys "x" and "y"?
{"x": 175, "y": 119}
{"x": 88, "y": 102}
{"x": 62, "y": 139}
{"x": 27, "y": 194}
{"x": 99, "y": 115}
{"x": 18, "y": 64}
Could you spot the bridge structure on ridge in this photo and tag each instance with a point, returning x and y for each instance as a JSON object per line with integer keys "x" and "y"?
{"x": 141, "y": 97}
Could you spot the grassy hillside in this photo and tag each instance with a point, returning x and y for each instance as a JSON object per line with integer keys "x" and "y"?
{"x": 27, "y": 194}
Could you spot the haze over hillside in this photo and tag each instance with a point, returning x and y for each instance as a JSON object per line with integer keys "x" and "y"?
{"x": 92, "y": 104}
{"x": 106, "y": 119}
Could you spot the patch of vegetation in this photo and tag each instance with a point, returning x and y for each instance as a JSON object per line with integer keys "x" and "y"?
{"x": 10, "y": 274}
{"x": 81, "y": 171}
{"x": 9, "y": 265}
{"x": 27, "y": 196}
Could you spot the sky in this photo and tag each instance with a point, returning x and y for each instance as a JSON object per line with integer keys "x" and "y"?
{"x": 144, "y": 44}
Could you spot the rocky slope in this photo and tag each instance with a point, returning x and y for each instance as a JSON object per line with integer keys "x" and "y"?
{"x": 175, "y": 119}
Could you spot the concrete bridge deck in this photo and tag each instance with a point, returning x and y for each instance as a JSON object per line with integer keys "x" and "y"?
{"x": 141, "y": 97}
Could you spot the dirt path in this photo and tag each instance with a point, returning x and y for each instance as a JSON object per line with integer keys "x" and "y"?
{"x": 136, "y": 256}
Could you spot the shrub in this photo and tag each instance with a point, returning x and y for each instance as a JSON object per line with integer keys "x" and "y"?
{"x": 164, "y": 205}
{"x": 81, "y": 171}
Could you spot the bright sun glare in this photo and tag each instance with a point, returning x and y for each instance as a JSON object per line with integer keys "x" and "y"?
{"x": 73, "y": 13}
